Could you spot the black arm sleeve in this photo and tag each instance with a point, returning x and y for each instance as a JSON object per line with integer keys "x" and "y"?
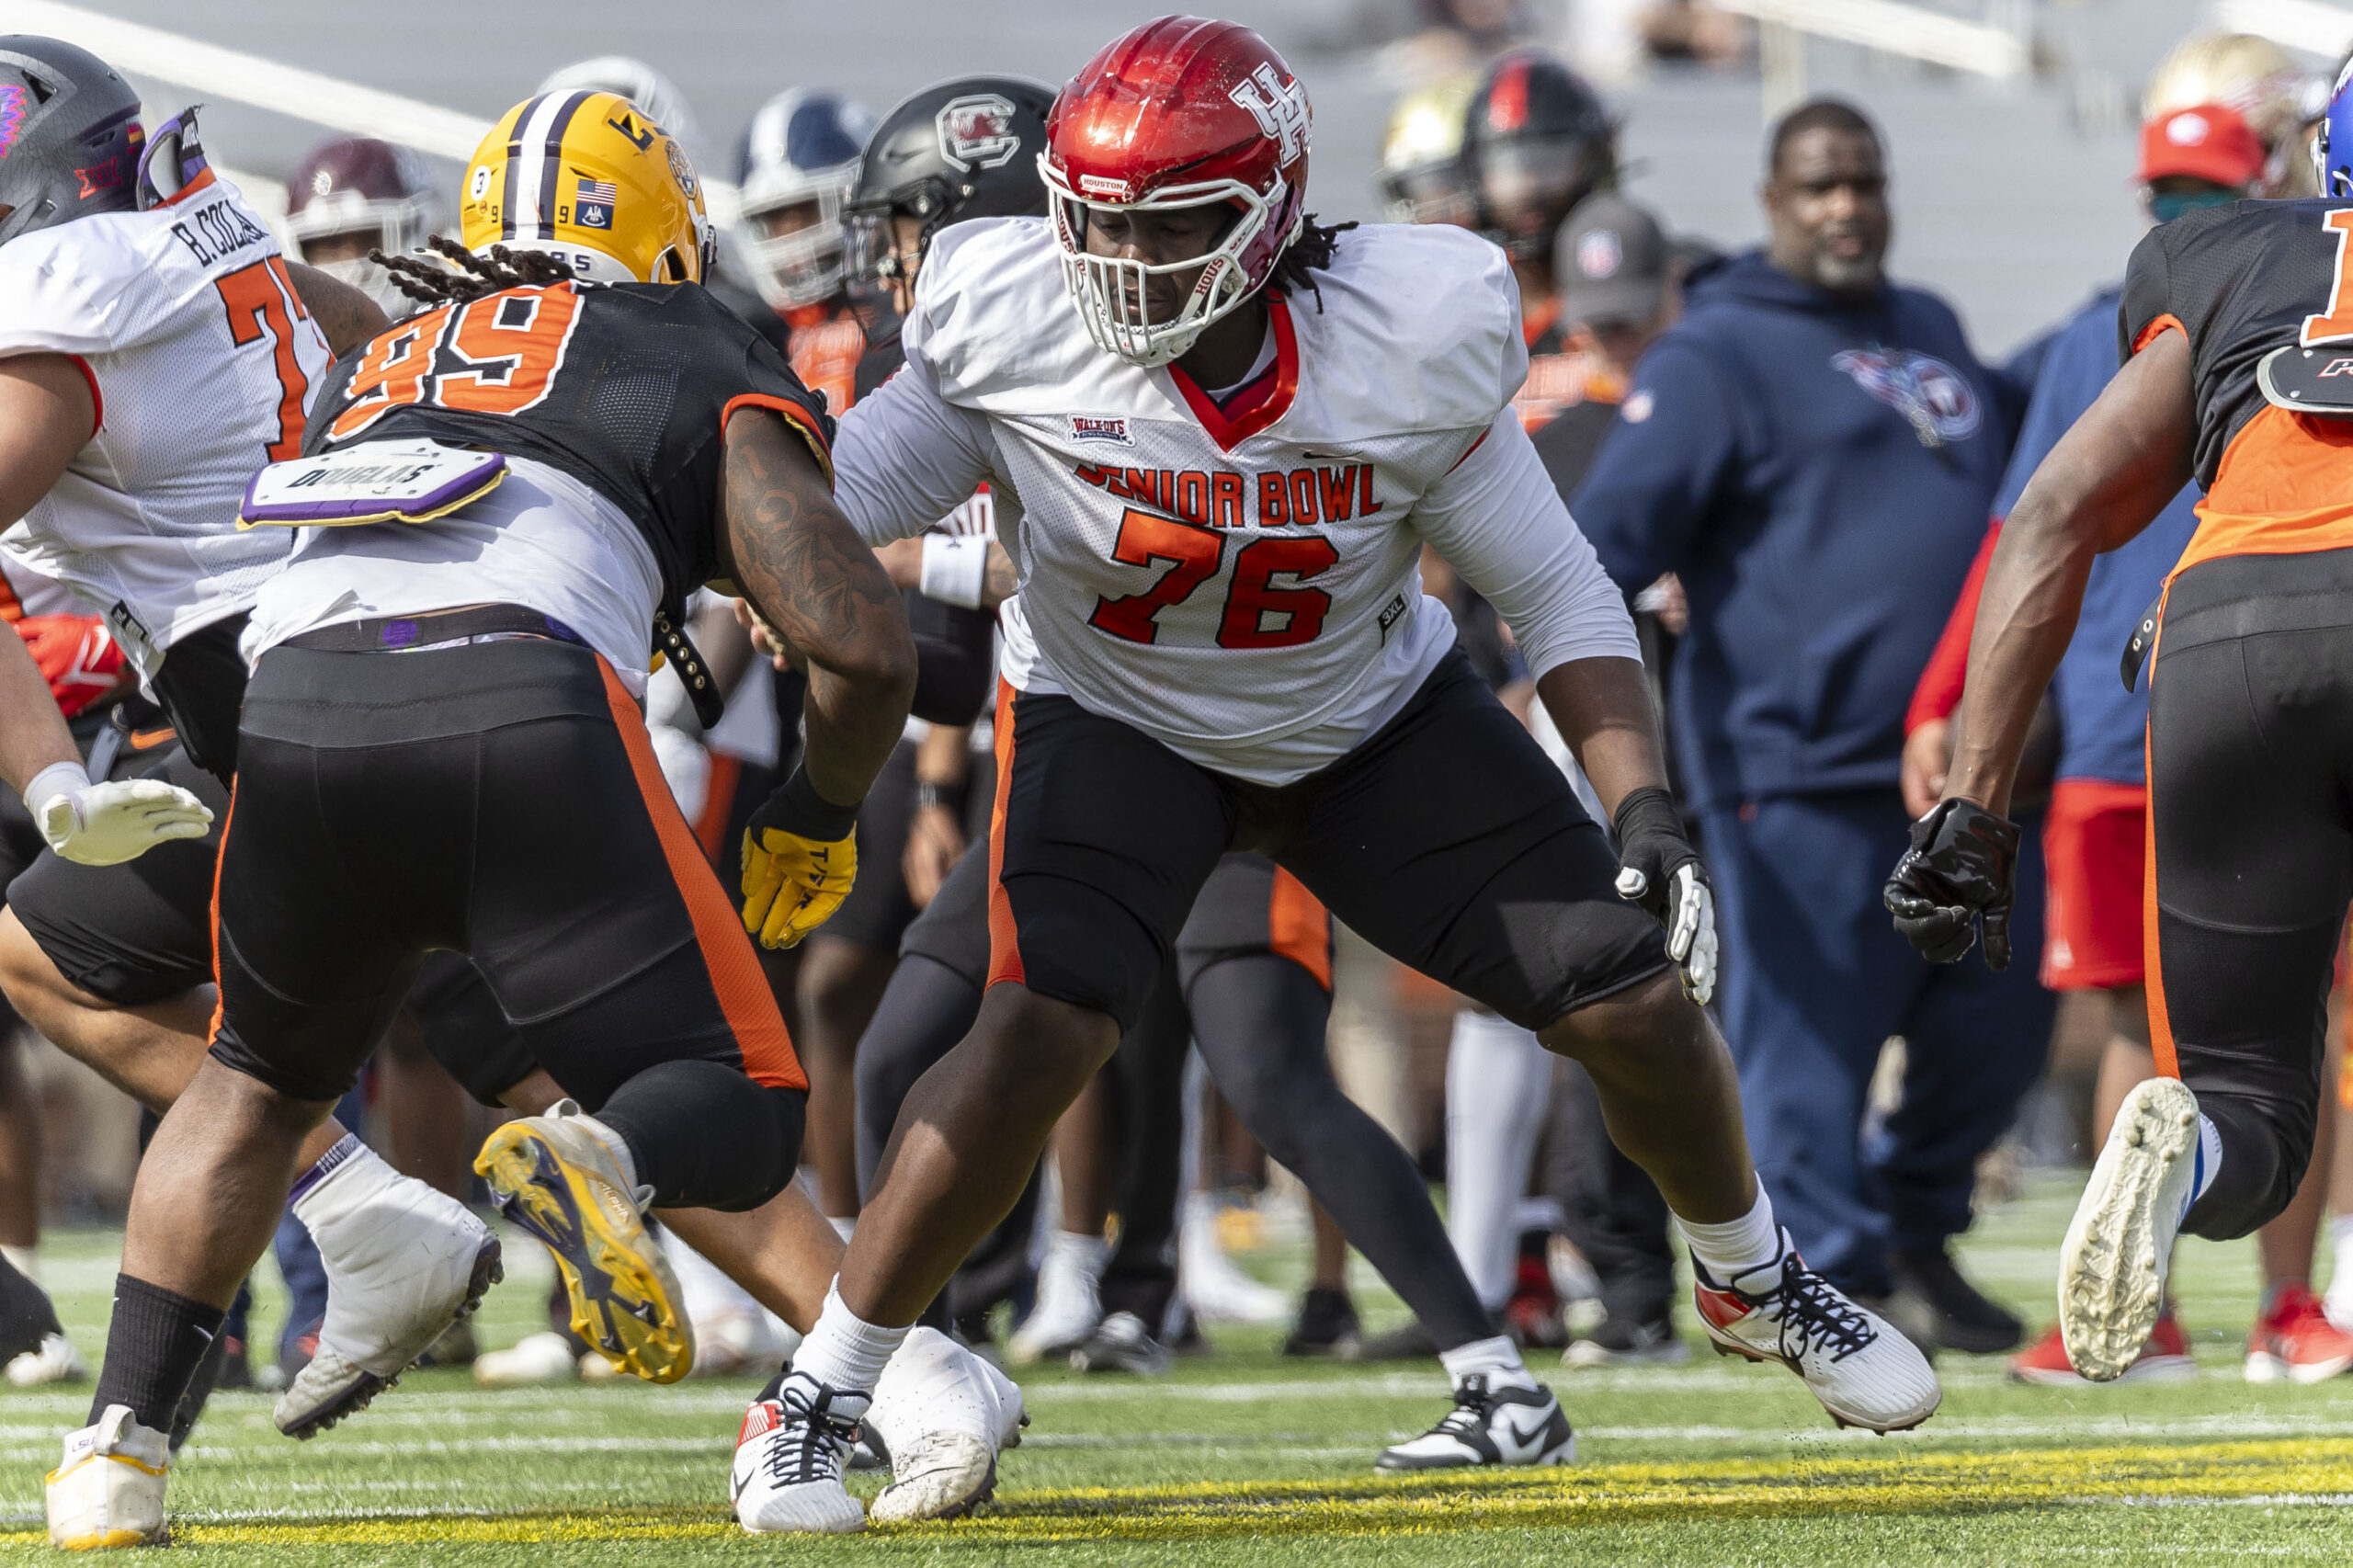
{"x": 952, "y": 665}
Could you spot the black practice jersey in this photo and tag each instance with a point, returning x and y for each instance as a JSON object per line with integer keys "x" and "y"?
{"x": 2242, "y": 282}
{"x": 626, "y": 387}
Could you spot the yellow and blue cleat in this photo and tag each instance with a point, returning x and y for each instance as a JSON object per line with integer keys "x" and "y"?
{"x": 558, "y": 1177}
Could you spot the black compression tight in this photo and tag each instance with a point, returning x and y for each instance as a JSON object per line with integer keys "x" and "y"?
{"x": 1259, "y": 1020}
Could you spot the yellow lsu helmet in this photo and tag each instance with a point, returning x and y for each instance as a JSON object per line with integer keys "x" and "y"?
{"x": 587, "y": 178}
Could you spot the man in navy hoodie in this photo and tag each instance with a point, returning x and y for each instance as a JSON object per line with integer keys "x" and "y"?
{"x": 1814, "y": 451}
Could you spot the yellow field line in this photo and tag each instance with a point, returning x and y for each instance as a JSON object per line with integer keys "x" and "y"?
{"x": 1907, "y": 1482}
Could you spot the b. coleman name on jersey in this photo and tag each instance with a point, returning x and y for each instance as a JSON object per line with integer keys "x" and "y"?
{"x": 1299, "y": 497}
{"x": 217, "y": 228}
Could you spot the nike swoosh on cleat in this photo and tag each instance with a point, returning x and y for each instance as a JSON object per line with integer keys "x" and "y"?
{"x": 1511, "y": 1429}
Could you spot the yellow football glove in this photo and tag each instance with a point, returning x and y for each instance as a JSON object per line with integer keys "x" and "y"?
{"x": 799, "y": 859}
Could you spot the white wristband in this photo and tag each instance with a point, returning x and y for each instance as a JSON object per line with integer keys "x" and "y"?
{"x": 57, "y": 779}
{"x": 954, "y": 568}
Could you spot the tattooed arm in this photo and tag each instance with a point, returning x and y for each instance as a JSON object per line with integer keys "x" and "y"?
{"x": 349, "y": 317}
{"x": 814, "y": 582}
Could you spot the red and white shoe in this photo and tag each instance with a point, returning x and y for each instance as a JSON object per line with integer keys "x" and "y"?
{"x": 1864, "y": 1371}
{"x": 2165, "y": 1359}
{"x": 2295, "y": 1343}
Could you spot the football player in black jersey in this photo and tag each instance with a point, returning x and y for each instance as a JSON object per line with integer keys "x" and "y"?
{"x": 2237, "y": 336}
{"x": 442, "y": 749}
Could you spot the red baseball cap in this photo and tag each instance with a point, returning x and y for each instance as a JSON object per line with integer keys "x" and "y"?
{"x": 2210, "y": 142}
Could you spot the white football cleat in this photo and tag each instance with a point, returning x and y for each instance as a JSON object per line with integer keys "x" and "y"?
{"x": 536, "y": 1360}
{"x": 404, "y": 1262}
{"x": 108, "y": 1491}
{"x": 788, "y": 1456}
{"x": 2112, "y": 1264}
{"x": 1513, "y": 1424}
{"x": 1863, "y": 1370}
{"x": 1069, "y": 1303}
{"x": 941, "y": 1415}
{"x": 55, "y": 1362}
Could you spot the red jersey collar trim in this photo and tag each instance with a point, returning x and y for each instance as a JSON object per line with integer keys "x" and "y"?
{"x": 1230, "y": 432}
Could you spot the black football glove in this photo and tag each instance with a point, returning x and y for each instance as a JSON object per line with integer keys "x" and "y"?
{"x": 1663, "y": 874}
{"x": 1958, "y": 875}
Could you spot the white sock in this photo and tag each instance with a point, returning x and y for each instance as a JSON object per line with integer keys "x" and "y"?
{"x": 23, "y": 1260}
{"x": 1498, "y": 1084}
{"x": 1497, "y": 1359}
{"x": 1085, "y": 1252}
{"x": 845, "y": 1351}
{"x": 2340, "y": 1243}
{"x": 2210, "y": 1162}
{"x": 1738, "y": 1246}
{"x": 843, "y": 1224}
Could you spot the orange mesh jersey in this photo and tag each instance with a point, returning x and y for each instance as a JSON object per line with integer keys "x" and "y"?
{"x": 2261, "y": 291}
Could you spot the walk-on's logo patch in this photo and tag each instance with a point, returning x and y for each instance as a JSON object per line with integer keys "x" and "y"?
{"x": 1924, "y": 390}
{"x": 13, "y": 109}
{"x": 1096, "y": 427}
{"x": 1598, "y": 253}
{"x": 976, "y": 132}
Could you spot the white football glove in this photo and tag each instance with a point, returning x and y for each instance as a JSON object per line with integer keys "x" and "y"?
{"x": 105, "y": 824}
{"x": 1690, "y": 925}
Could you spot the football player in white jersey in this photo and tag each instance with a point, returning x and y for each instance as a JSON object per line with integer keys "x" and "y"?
{"x": 1218, "y": 435}
{"x": 156, "y": 349}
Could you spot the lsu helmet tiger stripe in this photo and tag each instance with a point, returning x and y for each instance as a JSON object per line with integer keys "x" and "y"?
{"x": 589, "y": 179}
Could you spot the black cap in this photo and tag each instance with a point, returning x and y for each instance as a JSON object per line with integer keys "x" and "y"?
{"x": 1611, "y": 262}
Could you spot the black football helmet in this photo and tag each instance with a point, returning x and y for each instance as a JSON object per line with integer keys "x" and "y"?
{"x": 963, "y": 148}
{"x": 1535, "y": 140}
{"x": 70, "y": 137}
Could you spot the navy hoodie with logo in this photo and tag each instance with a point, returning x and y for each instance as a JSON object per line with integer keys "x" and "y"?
{"x": 1819, "y": 472}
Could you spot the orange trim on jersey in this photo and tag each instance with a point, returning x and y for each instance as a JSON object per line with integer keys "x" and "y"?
{"x": 12, "y": 608}
{"x": 795, "y": 415}
{"x": 1005, "y": 935}
{"x": 2284, "y": 487}
{"x": 1298, "y": 927}
{"x": 1227, "y": 432}
{"x": 718, "y": 805}
{"x": 220, "y": 1002}
{"x": 203, "y": 181}
{"x": 2158, "y": 328}
{"x": 98, "y": 400}
{"x": 735, "y": 970}
{"x": 2153, "y": 969}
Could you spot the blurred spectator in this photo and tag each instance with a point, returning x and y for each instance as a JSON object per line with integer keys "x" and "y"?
{"x": 1814, "y": 451}
{"x": 2093, "y": 837}
{"x": 1615, "y": 272}
{"x": 1697, "y": 31}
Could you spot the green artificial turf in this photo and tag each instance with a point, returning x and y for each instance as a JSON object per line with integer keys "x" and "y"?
{"x": 1243, "y": 1457}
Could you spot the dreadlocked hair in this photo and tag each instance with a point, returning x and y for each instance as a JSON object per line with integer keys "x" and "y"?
{"x": 1309, "y": 252}
{"x": 504, "y": 268}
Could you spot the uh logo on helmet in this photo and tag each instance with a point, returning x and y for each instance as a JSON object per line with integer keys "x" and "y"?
{"x": 1179, "y": 113}
{"x": 590, "y": 179}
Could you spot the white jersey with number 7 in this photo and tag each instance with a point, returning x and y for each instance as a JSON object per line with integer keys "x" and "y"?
{"x": 201, "y": 361}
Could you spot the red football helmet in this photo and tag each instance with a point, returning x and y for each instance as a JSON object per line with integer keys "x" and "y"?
{"x": 1181, "y": 112}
